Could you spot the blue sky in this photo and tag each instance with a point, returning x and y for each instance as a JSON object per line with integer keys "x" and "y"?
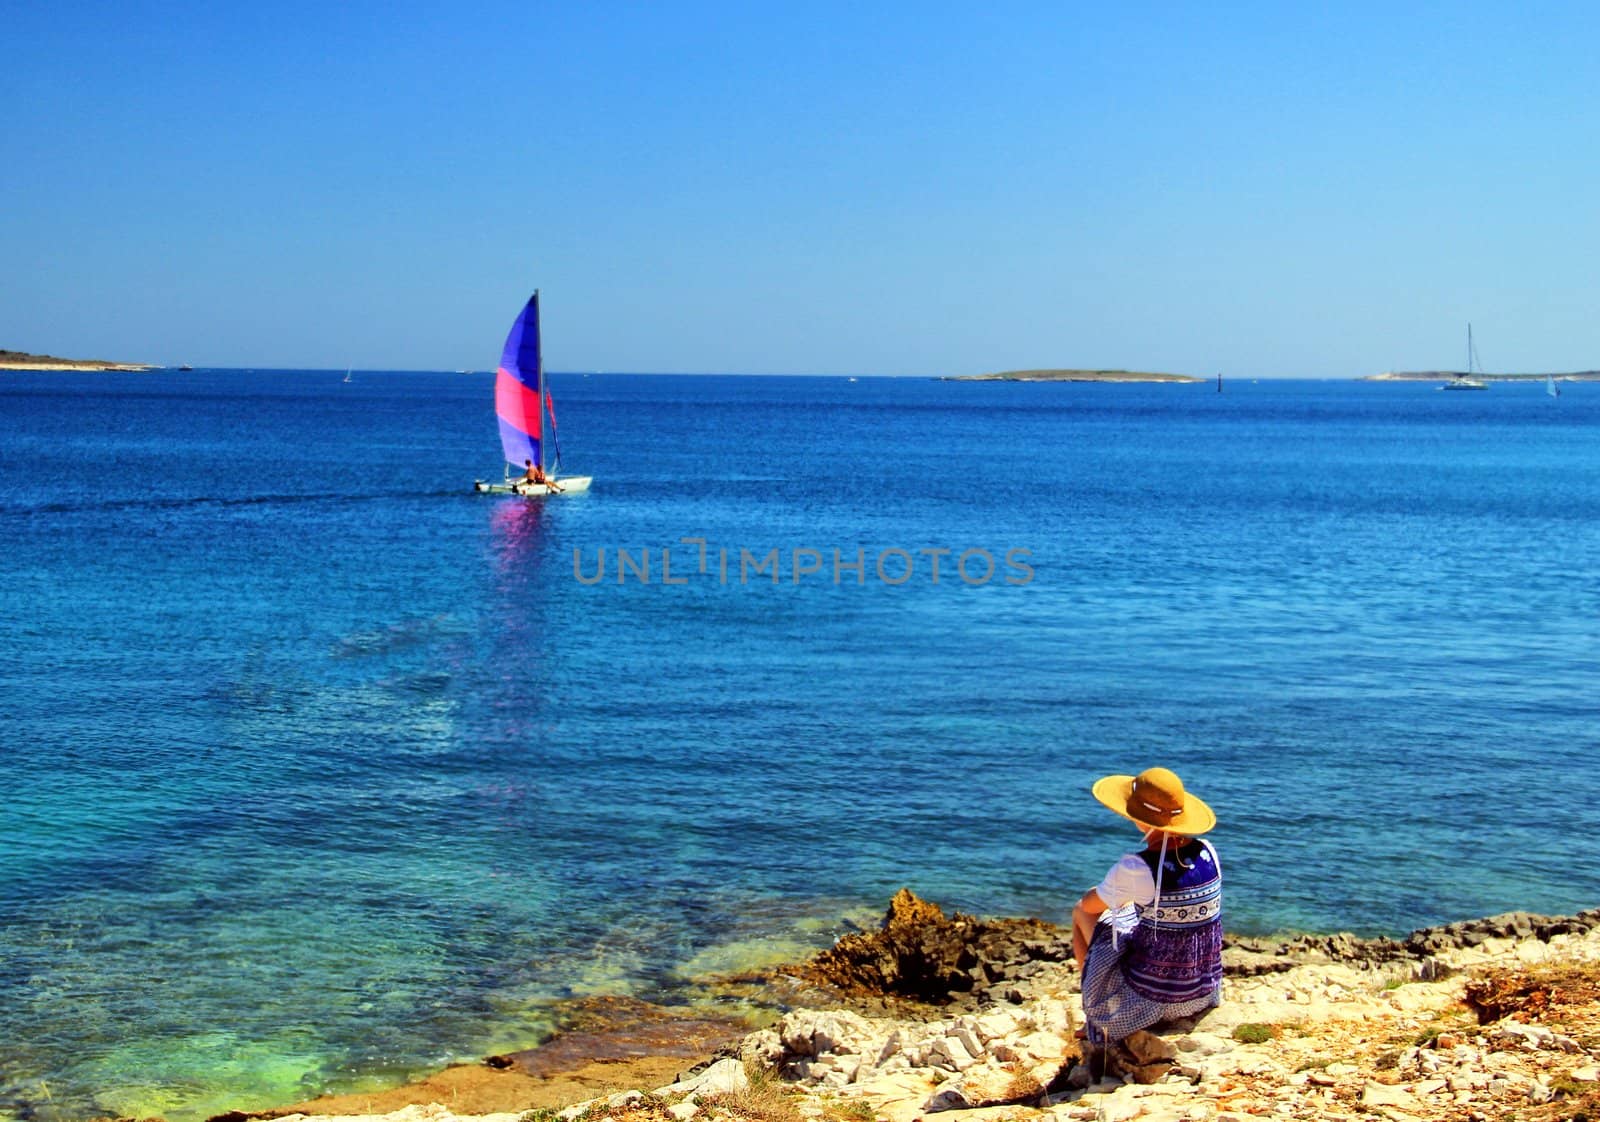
{"x": 1265, "y": 190}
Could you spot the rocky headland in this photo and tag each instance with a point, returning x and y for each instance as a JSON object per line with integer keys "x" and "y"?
{"x": 1073, "y": 376}
{"x": 22, "y": 360}
{"x": 1496, "y": 1018}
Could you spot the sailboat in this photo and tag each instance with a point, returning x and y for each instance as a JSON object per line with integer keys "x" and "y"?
{"x": 347, "y": 373}
{"x": 520, "y": 402}
{"x": 1467, "y": 381}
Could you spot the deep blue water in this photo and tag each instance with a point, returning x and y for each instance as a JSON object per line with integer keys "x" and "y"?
{"x": 322, "y": 770}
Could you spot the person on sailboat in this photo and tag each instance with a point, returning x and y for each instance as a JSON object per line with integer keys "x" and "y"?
{"x": 1148, "y": 937}
{"x": 535, "y": 474}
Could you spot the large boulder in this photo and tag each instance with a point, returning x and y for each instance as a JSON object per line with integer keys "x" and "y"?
{"x": 922, "y": 955}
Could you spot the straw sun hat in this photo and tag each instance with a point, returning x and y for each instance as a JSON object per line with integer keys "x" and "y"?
{"x": 1155, "y": 798}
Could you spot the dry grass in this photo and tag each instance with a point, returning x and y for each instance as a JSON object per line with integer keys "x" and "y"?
{"x": 766, "y": 1099}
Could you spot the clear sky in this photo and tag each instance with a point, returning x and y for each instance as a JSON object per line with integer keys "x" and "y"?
{"x": 869, "y": 188}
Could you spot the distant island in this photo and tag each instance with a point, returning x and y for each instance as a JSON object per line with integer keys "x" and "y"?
{"x": 22, "y": 360}
{"x": 1447, "y": 375}
{"x": 1073, "y": 376}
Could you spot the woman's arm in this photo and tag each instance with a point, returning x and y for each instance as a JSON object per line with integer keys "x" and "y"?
{"x": 1084, "y": 915}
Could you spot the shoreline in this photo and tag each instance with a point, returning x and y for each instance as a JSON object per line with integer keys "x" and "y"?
{"x": 1447, "y": 375}
{"x": 67, "y": 367}
{"x": 1016, "y": 968}
{"x": 1076, "y": 376}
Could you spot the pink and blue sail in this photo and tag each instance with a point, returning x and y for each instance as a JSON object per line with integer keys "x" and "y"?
{"x": 519, "y": 390}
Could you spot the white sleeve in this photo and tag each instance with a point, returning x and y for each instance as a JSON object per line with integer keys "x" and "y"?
{"x": 1128, "y": 882}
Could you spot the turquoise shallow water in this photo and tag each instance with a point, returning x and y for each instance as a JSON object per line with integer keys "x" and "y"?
{"x": 324, "y": 771}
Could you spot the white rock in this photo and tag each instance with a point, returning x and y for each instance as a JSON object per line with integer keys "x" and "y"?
{"x": 764, "y": 1047}
{"x": 1588, "y": 1074}
{"x": 795, "y": 1031}
{"x": 1204, "y": 1043}
{"x": 1073, "y": 1112}
{"x": 722, "y": 1077}
{"x": 1042, "y": 1045}
{"x": 1050, "y": 1015}
{"x": 840, "y": 1032}
{"x": 1008, "y": 1052}
{"x": 995, "y": 1025}
{"x": 949, "y": 1052}
{"x": 1115, "y": 1108}
{"x": 1381, "y": 1094}
{"x": 1516, "y": 1034}
{"x": 967, "y": 1036}
{"x": 685, "y": 1110}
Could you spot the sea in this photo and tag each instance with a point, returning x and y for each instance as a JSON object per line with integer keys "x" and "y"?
{"x": 322, "y": 770}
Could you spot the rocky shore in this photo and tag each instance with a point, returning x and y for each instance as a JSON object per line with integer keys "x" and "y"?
{"x": 975, "y": 1019}
{"x": 22, "y": 360}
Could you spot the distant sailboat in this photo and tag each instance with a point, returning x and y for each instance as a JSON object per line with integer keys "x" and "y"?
{"x": 520, "y": 402}
{"x": 347, "y": 373}
{"x": 1468, "y": 381}
{"x": 1550, "y": 386}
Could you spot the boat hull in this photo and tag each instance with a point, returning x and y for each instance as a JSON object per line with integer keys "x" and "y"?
{"x": 567, "y": 485}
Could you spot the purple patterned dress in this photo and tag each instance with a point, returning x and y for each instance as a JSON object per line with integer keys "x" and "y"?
{"x": 1170, "y": 965}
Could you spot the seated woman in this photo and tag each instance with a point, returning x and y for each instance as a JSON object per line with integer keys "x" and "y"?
{"x": 1149, "y": 944}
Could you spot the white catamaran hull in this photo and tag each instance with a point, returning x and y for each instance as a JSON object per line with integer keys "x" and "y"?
{"x": 568, "y": 485}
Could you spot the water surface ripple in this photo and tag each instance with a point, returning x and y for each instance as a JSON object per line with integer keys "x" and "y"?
{"x": 324, "y": 771}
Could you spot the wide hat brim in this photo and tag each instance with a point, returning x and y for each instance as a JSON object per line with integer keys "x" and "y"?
{"x": 1195, "y": 818}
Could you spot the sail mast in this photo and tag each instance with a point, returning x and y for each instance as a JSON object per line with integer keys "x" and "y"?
{"x": 539, "y": 389}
